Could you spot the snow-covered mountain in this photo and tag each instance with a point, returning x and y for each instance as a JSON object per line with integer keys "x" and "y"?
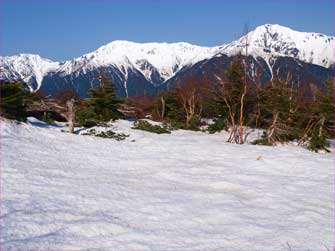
{"x": 148, "y": 58}
{"x": 272, "y": 40}
{"x": 150, "y": 65}
{"x": 27, "y": 67}
{"x": 166, "y": 58}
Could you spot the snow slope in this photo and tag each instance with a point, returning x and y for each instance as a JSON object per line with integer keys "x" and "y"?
{"x": 184, "y": 191}
{"x": 166, "y": 58}
{"x": 267, "y": 41}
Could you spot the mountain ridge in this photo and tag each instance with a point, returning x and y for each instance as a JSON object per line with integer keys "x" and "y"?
{"x": 160, "y": 62}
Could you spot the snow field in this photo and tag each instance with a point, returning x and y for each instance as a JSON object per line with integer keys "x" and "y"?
{"x": 182, "y": 191}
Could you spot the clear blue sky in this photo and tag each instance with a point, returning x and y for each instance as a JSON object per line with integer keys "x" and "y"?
{"x": 63, "y": 29}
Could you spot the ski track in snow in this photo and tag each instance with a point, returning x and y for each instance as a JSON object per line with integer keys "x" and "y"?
{"x": 184, "y": 191}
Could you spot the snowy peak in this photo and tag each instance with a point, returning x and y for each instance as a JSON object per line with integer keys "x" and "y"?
{"x": 166, "y": 58}
{"x": 26, "y": 67}
{"x": 275, "y": 40}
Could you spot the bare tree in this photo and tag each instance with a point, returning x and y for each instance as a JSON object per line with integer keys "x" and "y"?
{"x": 190, "y": 99}
{"x": 71, "y": 114}
{"x": 68, "y": 98}
{"x": 188, "y": 103}
{"x": 245, "y": 86}
{"x": 257, "y": 88}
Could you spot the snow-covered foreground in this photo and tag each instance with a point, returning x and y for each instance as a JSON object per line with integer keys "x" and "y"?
{"x": 184, "y": 191}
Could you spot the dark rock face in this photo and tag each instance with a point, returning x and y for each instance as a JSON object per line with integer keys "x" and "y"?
{"x": 134, "y": 85}
{"x": 302, "y": 73}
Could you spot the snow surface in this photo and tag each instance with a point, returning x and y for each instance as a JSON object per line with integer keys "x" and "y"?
{"x": 180, "y": 191}
{"x": 267, "y": 41}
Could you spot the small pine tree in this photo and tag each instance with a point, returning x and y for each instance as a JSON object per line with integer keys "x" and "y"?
{"x": 104, "y": 103}
{"x": 275, "y": 116}
{"x": 102, "y": 106}
{"x": 173, "y": 111}
{"x": 320, "y": 122}
{"x": 326, "y": 110}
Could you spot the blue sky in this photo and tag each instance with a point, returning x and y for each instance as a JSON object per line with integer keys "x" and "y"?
{"x": 64, "y": 29}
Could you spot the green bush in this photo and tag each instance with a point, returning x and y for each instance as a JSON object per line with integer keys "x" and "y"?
{"x": 13, "y": 101}
{"x": 85, "y": 116}
{"x": 47, "y": 118}
{"x": 88, "y": 123}
{"x": 262, "y": 141}
{"x": 173, "y": 124}
{"x": 317, "y": 143}
{"x": 107, "y": 134}
{"x": 194, "y": 124}
{"x": 218, "y": 126}
{"x": 146, "y": 126}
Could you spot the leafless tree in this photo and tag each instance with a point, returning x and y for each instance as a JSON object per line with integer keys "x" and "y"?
{"x": 71, "y": 114}
{"x": 68, "y": 98}
{"x": 190, "y": 99}
{"x": 245, "y": 86}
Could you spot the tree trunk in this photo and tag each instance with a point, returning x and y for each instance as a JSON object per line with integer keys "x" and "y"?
{"x": 240, "y": 129}
{"x": 258, "y": 114}
{"x": 309, "y": 127}
{"x": 232, "y": 135}
{"x": 322, "y": 122}
{"x": 272, "y": 128}
{"x": 189, "y": 107}
{"x": 163, "y": 107}
{"x": 186, "y": 112}
{"x": 71, "y": 114}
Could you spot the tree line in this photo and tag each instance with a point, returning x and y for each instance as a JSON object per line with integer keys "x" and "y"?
{"x": 284, "y": 112}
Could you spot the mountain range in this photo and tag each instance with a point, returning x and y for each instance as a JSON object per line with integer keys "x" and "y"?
{"x": 147, "y": 68}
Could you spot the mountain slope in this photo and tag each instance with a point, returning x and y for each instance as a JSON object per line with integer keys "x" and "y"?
{"x": 298, "y": 73}
{"x": 145, "y": 68}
